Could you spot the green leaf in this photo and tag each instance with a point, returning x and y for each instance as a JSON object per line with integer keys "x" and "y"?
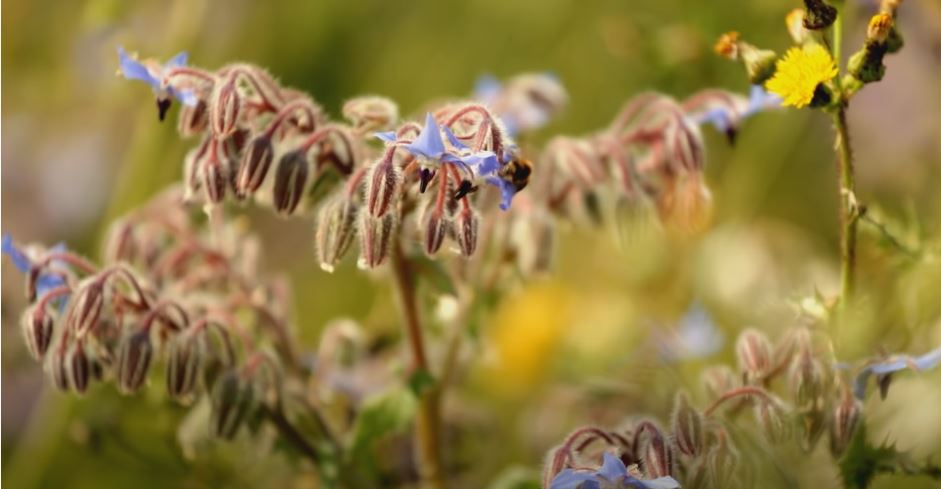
{"x": 420, "y": 381}
{"x": 383, "y": 414}
{"x": 863, "y": 461}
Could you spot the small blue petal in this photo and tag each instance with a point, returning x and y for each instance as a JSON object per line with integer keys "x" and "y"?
{"x": 428, "y": 143}
{"x": 612, "y": 468}
{"x": 484, "y": 163}
{"x": 388, "y": 136}
{"x": 760, "y": 99}
{"x": 179, "y": 60}
{"x": 186, "y": 97}
{"x": 20, "y": 260}
{"x": 570, "y": 479}
{"x": 487, "y": 88}
{"x": 454, "y": 140}
{"x": 718, "y": 117}
{"x": 135, "y": 70}
{"x": 661, "y": 483}
{"x": 929, "y": 360}
{"x": 506, "y": 191}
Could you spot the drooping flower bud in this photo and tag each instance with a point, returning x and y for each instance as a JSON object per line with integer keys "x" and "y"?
{"x": 37, "y": 325}
{"x": 371, "y": 113}
{"x": 773, "y": 420}
{"x": 231, "y": 402}
{"x": 811, "y": 425}
{"x": 193, "y": 120}
{"x": 336, "y": 228}
{"x": 184, "y": 362}
{"x": 722, "y": 462}
{"x": 383, "y": 184}
{"x": 290, "y": 180}
{"x": 656, "y": 454}
{"x": 256, "y": 161}
{"x": 843, "y": 424}
{"x": 77, "y": 368}
{"x": 135, "y": 352}
{"x": 687, "y": 426}
{"x": 754, "y": 354}
{"x": 58, "y": 369}
{"x": 89, "y": 301}
{"x": 465, "y": 229}
{"x": 214, "y": 179}
{"x": 434, "y": 227}
{"x": 808, "y": 381}
{"x": 226, "y": 108}
{"x": 819, "y": 15}
{"x": 376, "y": 235}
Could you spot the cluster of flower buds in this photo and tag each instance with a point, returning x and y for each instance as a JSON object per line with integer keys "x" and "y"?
{"x": 164, "y": 299}
{"x": 882, "y": 37}
{"x": 794, "y": 389}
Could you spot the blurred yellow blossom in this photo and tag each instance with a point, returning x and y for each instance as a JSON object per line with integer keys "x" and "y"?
{"x": 798, "y": 73}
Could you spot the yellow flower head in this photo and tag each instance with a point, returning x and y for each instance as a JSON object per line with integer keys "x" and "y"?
{"x": 799, "y": 72}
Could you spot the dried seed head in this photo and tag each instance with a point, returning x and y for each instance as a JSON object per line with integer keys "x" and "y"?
{"x": 754, "y": 354}
{"x": 290, "y": 180}
{"x": 687, "y": 426}
{"x": 773, "y": 419}
{"x": 226, "y": 107}
{"x": 37, "y": 324}
{"x": 843, "y": 425}
{"x": 819, "y": 15}
{"x": 231, "y": 402}
{"x": 256, "y": 161}
{"x": 134, "y": 355}
{"x": 383, "y": 186}
{"x": 727, "y": 45}
{"x": 185, "y": 353}
{"x": 369, "y": 114}
{"x": 336, "y": 228}
{"x": 880, "y": 26}
{"x": 376, "y": 235}
{"x": 193, "y": 120}
{"x": 465, "y": 228}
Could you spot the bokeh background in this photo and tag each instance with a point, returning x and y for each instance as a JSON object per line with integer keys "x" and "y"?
{"x": 81, "y": 146}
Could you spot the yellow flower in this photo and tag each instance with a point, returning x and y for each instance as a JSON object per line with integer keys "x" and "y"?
{"x": 799, "y": 72}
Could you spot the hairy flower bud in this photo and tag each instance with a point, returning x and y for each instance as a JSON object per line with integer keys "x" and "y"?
{"x": 135, "y": 352}
{"x": 687, "y": 426}
{"x": 811, "y": 425}
{"x": 77, "y": 368}
{"x": 226, "y": 107}
{"x": 231, "y": 401}
{"x": 819, "y": 16}
{"x": 193, "y": 119}
{"x": 465, "y": 229}
{"x": 214, "y": 180}
{"x": 434, "y": 226}
{"x": 722, "y": 462}
{"x": 718, "y": 380}
{"x": 58, "y": 369}
{"x": 808, "y": 381}
{"x": 336, "y": 228}
{"x": 843, "y": 424}
{"x": 184, "y": 362}
{"x": 754, "y": 354}
{"x": 759, "y": 63}
{"x": 376, "y": 235}
{"x": 37, "y": 325}
{"x": 256, "y": 160}
{"x": 773, "y": 420}
{"x": 383, "y": 184}
{"x": 89, "y": 301}
{"x": 369, "y": 114}
{"x": 656, "y": 454}
{"x": 290, "y": 180}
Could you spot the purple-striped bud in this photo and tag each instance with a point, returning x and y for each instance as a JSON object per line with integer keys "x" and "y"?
{"x": 773, "y": 420}
{"x": 231, "y": 401}
{"x": 89, "y": 301}
{"x": 434, "y": 227}
{"x": 808, "y": 382}
{"x": 722, "y": 462}
{"x": 120, "y": 244}
{"x": 290, "y": 179}
{"x": 372, "y": 113}
{"x": 656, "y": 454}
{"x": 383, "y": 184}
{"x": 226, "y": 107}
{"x": 192, "y": 165}
{"x": 214, "y": 180}
{"x": 754, "y": 354}
{"x": 336, "y": 228}
{"x": 78, "y": 368}
{"x": 58, "y": 369}
{"x": 184, "y": 363}
{"x": 37, "y": 325}
{"x": 687, "y": 426}
{"x": 843, "y": 425}
{"x": 256, "y": 161}
{"x": 135, "y": 352}
{"x": 376, "y": 235}
{"x": 193, "y": 120}
{"x": 465, "y": 228}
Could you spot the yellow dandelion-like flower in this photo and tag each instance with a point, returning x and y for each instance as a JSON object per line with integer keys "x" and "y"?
{"x": 799, "y": 72}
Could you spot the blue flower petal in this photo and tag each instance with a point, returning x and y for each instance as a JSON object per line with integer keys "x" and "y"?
{"x": 428, "y": 143}
{"x": 759, "y": 99}
{"x": 661, "y": 483}
{"x": 388, "y": 136}
{"x": 20, "y": 260}
{"x": 454, "y": 140}
{"x": 186, "y": 96}
{"x": 135, "y": 70}
{"x": 179, "y": 60}
{"x": 571, "y": 479}
{"x": 612, "y": 468}
{"x": 506, "y": 191}
{"x": 484, "y": 163}
{"x": 927, "y": 361}
{"x": 486, "y": 88}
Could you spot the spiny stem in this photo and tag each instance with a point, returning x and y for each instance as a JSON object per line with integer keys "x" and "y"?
{"x": 428, "y": 418}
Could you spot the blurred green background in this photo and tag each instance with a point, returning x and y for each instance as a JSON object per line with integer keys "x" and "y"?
{"x": 81, "y": 146}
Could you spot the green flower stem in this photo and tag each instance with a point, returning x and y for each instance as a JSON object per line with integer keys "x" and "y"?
{"x": 428, "y": 418}
{"x": 849, "y": 215}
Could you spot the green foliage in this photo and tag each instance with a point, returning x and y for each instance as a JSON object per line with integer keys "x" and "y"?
{"x": 384, "y": 414}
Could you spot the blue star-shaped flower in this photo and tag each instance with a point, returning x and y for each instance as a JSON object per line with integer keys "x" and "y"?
{"x": 46, "y": 281}
{"x": 927, "y": 361}
{"x": 612, "y": 474}
{"x": 152, "y": 75}
{"x": 725, "y": 121}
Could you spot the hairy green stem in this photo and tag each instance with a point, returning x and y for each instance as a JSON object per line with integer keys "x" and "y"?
{"x": 849, "y": 215}
{"x": 428, "y": 417}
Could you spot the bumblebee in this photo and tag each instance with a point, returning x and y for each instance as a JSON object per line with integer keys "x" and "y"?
{"x": 517, "y": 171}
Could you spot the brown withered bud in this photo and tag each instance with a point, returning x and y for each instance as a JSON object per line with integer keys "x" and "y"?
{"x": 37, "y": 325}
{"x": 77, "y": 367}
{"x": 134, "y": 355}
{"x": 773, "y": 419}
{"x": 843, "y": 424}
{"x": 193, "y": 120}
{"x": 465, "y": 228}
{"x": 290, "y": 180}
{"x": 754, "y": 354}
{"x": 226, "y": 107}
{"x": 336, "y": 228}
{"x": 89, "y": 301}
{"x": 654, "y": 450}
{"x": 687, "y": 425}
{"x": 371, "y": 113}
{"x": 376, "y": 235}
{"x": 383, "y": 184}
{"x": 256, "y": 160}
{"x": 185, "y": 353}
{"x": 819, "y": 15}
